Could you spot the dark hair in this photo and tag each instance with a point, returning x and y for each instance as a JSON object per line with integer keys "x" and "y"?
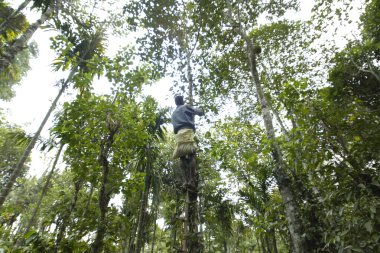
{"x": 179, "y": 100}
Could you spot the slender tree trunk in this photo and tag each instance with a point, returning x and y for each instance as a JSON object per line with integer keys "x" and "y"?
{"x": 124, "y": 241}
{"x": 4, "y": 25}
{"x": 262, "y": 242}
{"x": 143, "y": 204}
{"x": 132, "y": 238}
{"x": 185, "y": 226}
{"x": 190, "y": 79}
{"x": 88, "y": 200}
{"x": 19, "y": 44}
{"x": 282, "y": 126}
{"x": 104, "y": 199}
{"x": 209, "y": 241}
{"x": 105, "y": 192}
{"x": 237, "y": 246}
{"x": 173, "y": 235}
{"x": 66, "y": 216}
{"x": 44, "y": 190}
{"x": 191, "y": 215}
{"x": 283, "y": 181}
{"x": 140, "y": 223}
{"x": 189, "y": 168}
{"x": 18, "y": 167}
{"x": 200, "y": 216}
{"x": 56, "y": 221}
{"x": 274, "y": 241}
{"x": 154, "y": 229}
{"x": 79, "y": 235}
{"x": 258, "y": 245}
{"x": 266, "y": 239}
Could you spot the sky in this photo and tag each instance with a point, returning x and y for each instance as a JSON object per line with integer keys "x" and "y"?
{"x": 37, "y": 89}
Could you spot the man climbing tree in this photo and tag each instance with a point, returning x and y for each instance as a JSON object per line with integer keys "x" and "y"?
{"x": 184, "y": 129}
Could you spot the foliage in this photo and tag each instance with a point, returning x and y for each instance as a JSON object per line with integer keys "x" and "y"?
{"x": 12, "y": 144}
{"x": 18, "y": 68}
{"x": 16, "y": 25}
{"x": 119, "y": 177}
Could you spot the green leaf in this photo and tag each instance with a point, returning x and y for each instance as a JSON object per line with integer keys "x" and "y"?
{"x": 368, "y": 226}
{"x": 30, "y": 236}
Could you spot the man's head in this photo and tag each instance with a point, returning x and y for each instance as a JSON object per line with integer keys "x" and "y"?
{"x": 179, "y": 100}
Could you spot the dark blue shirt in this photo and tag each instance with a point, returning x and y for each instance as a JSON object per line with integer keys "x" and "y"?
{"x": 183, "y": 117}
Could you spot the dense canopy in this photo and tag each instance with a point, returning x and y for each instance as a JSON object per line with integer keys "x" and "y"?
{"x": 288, "y": 153}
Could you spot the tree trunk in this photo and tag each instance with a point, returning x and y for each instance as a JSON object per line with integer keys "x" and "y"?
{"x": 258, "y": 245}
{"x": 18, "y": 168}
{"x": 124, "y": 241}
{"x": 88, "y": 200}
{"x": 200, "y": 211}
{"x": 132, "y": 238}
{"x": 188, "y": 167}
{"x": 274, "y": 241}
{"x": 209, "y": 241}
{"x": 66, "y": 216}
{"x": 105, "y": 192}
{"x": 282, "y": 126}
{"x": 173, "y": 235}
{"x": 143, "y": 204}
{"x": 283, "y": 181}
{"x": 3, "y": 25}
{"x": 154, "y": 229}
{"x": 44, "y": 190}
{"x": 190, "y": 79}
{"x": 104, "y": 199}
{"x": 140, "y": 223}
{"x": 19, "y": 44}
{"x": 82, "y": 232}
{"x": 56, "y": 222}
{"x": 262, "y": 242}
{"x": 266, "y": 239}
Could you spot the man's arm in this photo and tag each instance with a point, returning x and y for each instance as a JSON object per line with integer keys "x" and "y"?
{"x": 195, "y": 110}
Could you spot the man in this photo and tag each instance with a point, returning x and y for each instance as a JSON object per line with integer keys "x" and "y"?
{"x": 184, "y": 127}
